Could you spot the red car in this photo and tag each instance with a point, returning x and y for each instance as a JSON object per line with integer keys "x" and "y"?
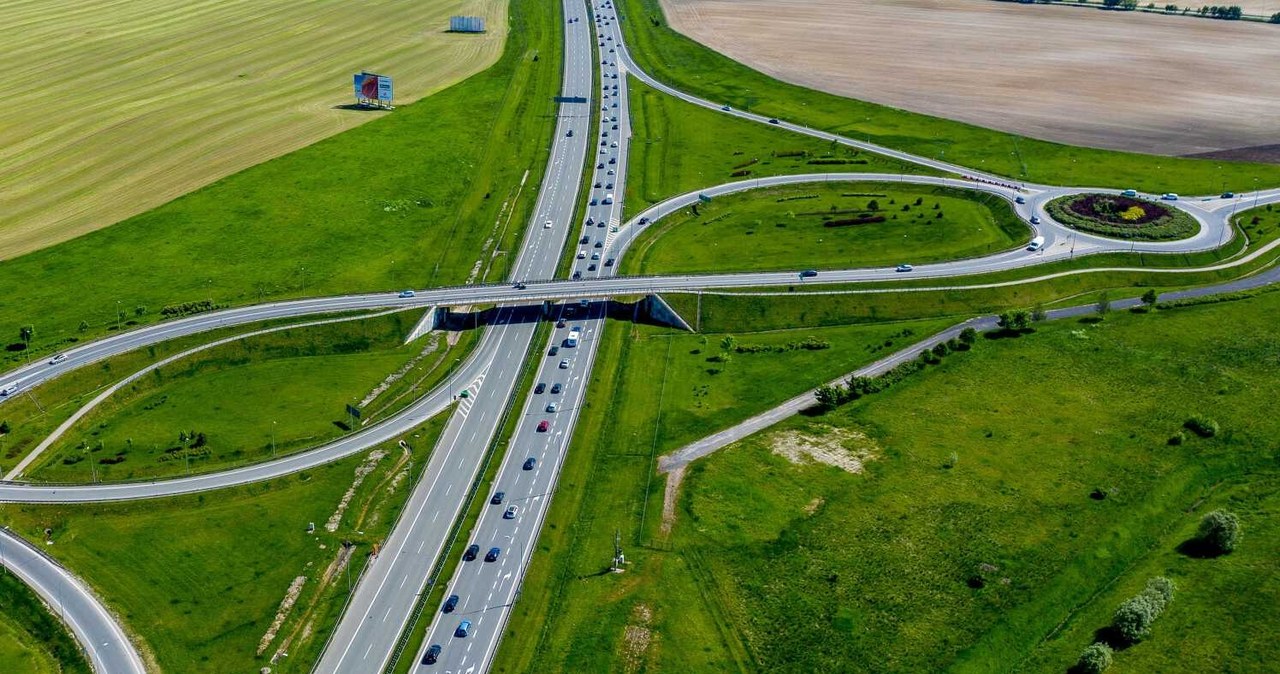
{"x": 542, "y": 426}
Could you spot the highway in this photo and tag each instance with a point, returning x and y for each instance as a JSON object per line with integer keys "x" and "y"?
{"x": 104, "y": 642}
{"x": 486, "y": 590}
{"x": 384, "y": 600}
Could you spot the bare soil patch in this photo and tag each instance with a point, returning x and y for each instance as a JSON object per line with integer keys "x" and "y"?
{"x": 1128, "y": 81}
{"x": 844, "y": 448}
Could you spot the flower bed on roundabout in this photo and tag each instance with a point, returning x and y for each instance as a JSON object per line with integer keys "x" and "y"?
{"x": 1122, "y": 217}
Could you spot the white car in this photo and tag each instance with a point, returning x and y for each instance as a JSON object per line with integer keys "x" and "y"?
{"x": 553, "y": 407}
{"x": 546, "y": 225}
{"x": 13, "y": 388}
{"x": 57, "y": 358}
{"x": 904, "y": 267}
{"x": 564, "y": 365}
{"x": 511, "y": 512}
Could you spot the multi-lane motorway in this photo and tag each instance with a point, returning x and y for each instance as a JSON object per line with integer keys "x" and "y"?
{"x": 384, "y": 599}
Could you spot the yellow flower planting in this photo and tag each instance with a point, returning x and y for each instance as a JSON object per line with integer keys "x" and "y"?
{"x": 1132, "y": 213}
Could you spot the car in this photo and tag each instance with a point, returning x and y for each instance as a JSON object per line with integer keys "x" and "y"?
{"x": 595, "y": 256}
{"x": 604, "y": 142}
{"x": 613, "y": 160}
{"x": 904, "y": 267}
{"x": 570, "y": 134}
{"x": 615, "y": 127}
{"x": 611, "y": 50}
{"x": 1228, "y": 195}
{"x": 600, "y": 224}
{"x": 725, "y": 108}
{"x": 577, "y": 275}
{"x": 1169, "y": 196}
{"x": 591, "y": 221}
{"x": 450, "y": 604}
{"x": 464, "y": 393}
{"x": 608, "y": 199}
{"x": 556, "y": 388}
{"x": 613, "y": 144}
{"x": 546, "y": 225}
{"x": 470, "y": 554}
{"x": 560, "y": 323}
{"x": 519, "y": 285}
{"x": 609, "y": 262}
{"x": 591, "y": 267}
{"x": 608, "y": 186}
{"x": 493, "y": 554}
{"x": 540, "y": 388}
{"x": 597, "y": 185}
{"x": 530, "y": 462}
{"x": 407, "y": 293}
{"x": 615, "y": 77}
{"x": 600, "y": 165}
{"x": 464, "y": 628}
{"x": 564, "y": 363}
{"x": 553, "y": 351}
{"x": 585, "y": 239}
{"x": 57, "y": 358}
{"x": 809, "y": 273}
{"x": 1035, "y": 219}
{"x": 432, "y": 654}
{"x": 553, "y": 407}
{"x": 1019, "y": 199}
{"x": 511, "y": 512}
{"x": 1129, "y": 193}
{"x": 610, "y": 172}
{"x": 773, "y": 121}
{"x": 644, "y": 221}
{"x": 594, "y": 201}
{"x": 8, "y": 390}
{"x": 542, "y": 426}
{"x": 582, "y": 255}
{"x": 497, "y": 497}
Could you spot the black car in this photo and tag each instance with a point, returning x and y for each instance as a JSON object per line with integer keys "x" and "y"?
{"x": 450, "y": 604}
{"x": 600, "y": 244}
{"x": 497, "y": 497}
{"x": 591, "y": 267}
{"x": 809, "y": 273}
{"x": 470, "y": 554}
{"x": 540, "y": 388}
{"x": 585, "y": 240}
{"x": 492, "y": 555}
{"x": 773, "y": 121}
{"x": 432, "y": 654}
{"x": 609, "y": 262}
{"x": 528, "y": 465}
{"x": 577, "y": 276}
{"x": 554, "y": 350}
{"x": 556, "y": 388}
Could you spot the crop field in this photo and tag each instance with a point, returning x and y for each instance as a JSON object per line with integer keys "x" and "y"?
{"x": 962, "y": 541}
{"x": 800, "y": 227}
{"x": 1125, "y": 81}
{"x": 115, "y": 108}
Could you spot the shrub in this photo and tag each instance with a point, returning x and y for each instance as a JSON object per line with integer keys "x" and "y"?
{"x": 1220, "y": 531}
{"x": 1134, "y": 618}
{"x": 968, "y": 336}
{"x": 1095, "y": 659}
{"x": 1202, "y": 426}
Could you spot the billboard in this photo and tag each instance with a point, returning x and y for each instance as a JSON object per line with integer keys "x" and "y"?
{"x": 372, "y": 87}
{"x": 466, "y": 24}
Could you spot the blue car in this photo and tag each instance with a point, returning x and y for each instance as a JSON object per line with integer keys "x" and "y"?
{"x": 464, "y": 628}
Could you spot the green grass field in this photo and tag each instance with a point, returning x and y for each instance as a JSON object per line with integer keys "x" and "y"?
{"x": 32, "y": 641}
{"x": 653, "y": 391}
{"x": 152, "y": 99}
{"x": 683, "y": 63}
{"x": 983, "y": 466}
{"x": 785, "y": 228}
{"x": 678, "y": 147}
{"x": 252, "y": 399}
{"x": 198, "y": 579}
{"x": 366, "y": 210}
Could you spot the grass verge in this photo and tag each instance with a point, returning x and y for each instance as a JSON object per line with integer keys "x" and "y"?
{"x": 199, "y": 579}
{"x": 678, "y": 147}
{"x": 31, "y": 638}
{"x": 683, "y": 63}
{"x": 797, "y": 227}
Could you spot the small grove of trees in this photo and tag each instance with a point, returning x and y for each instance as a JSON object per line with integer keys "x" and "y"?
{"x": 1095, "y": 659}
{"x": 1275, "y": 18}
{"x": 1219, "y": 532}
{"x": 830, "y": 396}
{"x": 1227, "y": 12}
{"x": 1132, "y": 621}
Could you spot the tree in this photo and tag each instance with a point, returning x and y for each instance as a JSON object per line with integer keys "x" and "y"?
{"x": 873, "y": 205}
{"x": 827, "y": 396}
{"x": 84, "y": 325}
{"x": 728, "y": 343}
{"x": 1134, "y": 618}
{"x": 1161, "y": 589}
{"x": 1104, "y": 304}
{"x": 1150, "y": 297}
{"x": 940, "y": 349}
{"x": 1095, "y": 659}
{"x": 1220, "y": 531}
{"x": 139, "y": 310}
{"x": 4, "y": 427}
{"x": 1275, "y": 18}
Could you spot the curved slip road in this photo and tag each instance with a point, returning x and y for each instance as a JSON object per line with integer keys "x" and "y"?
{"x": 104, "y": 642}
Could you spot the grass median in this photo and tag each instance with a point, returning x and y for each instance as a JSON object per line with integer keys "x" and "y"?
{"x": 32, "y": 640}
{"x": 199, "y": 580}
{"x": 253, "y": 399}
{"x": 681, "y": 62}
{"x": 679, "y": 147}
{"x": 425, "y": 196}
{"x": 827, "y": 226}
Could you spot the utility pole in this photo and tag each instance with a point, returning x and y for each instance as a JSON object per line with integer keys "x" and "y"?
{"x": 273, "y": 439}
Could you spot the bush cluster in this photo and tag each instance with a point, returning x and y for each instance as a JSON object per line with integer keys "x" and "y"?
{"x": 1220, "y": 531}
{"x": 831, "y": 396}
{"x": 809, "y": 343}
{"x": 1133, "y": 620}
{"x": 187, "y": 308}
{"x": 1202, "y": 426}
{"x": 1095, "y": 659}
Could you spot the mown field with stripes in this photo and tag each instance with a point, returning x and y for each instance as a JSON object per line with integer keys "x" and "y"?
{"x": 114, "y": 107}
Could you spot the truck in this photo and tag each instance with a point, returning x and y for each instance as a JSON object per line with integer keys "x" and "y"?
{"x": 572, "y": 339}
{"x": 1036, "y": 243}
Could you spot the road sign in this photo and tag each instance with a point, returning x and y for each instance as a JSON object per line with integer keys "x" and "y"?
{"x": 353, "y": 411}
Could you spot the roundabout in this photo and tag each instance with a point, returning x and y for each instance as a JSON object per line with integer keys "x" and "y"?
{"x": 1122, "y": 216}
